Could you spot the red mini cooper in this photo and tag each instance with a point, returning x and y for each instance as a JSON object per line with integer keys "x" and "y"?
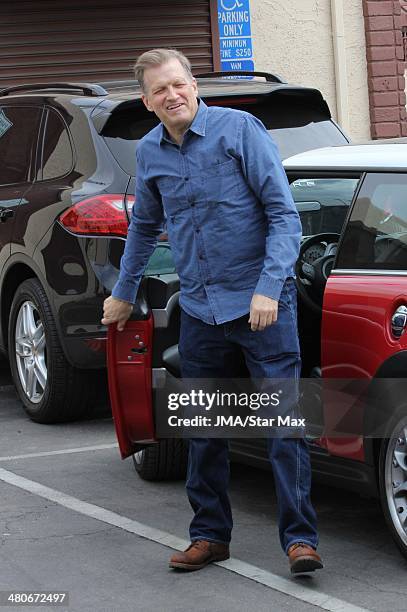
{"x": 352, "y": 287}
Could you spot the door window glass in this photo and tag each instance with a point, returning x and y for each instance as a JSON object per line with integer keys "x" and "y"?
{"x": 376, "y": 236}
{"x": 18, "y": 140}
{"x": 161, "y": 261}
{"x": 57, "y": 157}
{"x": 323, "y": 203}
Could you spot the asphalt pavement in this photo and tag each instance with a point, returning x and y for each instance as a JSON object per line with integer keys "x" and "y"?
{"x": 75, "y": 518}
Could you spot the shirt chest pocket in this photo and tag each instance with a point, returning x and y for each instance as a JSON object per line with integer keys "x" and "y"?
{"x": 221, "y": 181}
{"x": 172, "y": 191}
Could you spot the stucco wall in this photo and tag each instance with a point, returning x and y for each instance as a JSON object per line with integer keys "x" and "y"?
{"x": 356, "y": 65}
{"x": 294, "y": 38}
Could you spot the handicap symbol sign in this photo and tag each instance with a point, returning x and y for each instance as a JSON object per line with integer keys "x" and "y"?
{"x": 230, "y": 5}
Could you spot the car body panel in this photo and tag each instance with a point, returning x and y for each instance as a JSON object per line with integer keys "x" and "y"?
{"x": 356, "y": 326}
{"x": 10, "y": 198}
{"x": 357, "y": 339}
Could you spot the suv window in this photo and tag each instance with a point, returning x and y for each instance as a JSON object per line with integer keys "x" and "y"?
{"x": 18, "y": 141}
{"x": 57, "y": 156}
{"x": 323, "y": 203}
{"x": 293, "y": 140}
{"x": 376, "y": 235}
{"x": 294, "y": 126}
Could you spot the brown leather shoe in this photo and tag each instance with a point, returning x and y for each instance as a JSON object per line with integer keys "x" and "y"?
{"x": 303, "y": 558}
{"x": 198, "y": 554}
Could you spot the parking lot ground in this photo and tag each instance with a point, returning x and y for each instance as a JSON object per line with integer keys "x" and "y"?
{"x": 60, "y": 543}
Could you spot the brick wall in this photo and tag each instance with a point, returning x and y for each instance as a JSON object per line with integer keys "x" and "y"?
{"x": 386, "y": 67}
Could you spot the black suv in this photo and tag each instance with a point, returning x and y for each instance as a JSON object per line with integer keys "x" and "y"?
{"x": 67, "y": 172}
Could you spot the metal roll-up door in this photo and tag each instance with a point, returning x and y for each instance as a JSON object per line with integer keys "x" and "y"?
{"x": 97, "y": 40}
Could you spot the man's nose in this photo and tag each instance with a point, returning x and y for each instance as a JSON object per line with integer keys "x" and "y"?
{"x": 171, "y": 93}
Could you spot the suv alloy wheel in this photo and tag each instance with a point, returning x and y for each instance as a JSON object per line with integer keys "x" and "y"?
{"x": 30, "y": 352}
{"x": 42, "y": 375}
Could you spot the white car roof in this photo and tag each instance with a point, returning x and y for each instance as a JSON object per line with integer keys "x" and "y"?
{"x": 376, "y": 155}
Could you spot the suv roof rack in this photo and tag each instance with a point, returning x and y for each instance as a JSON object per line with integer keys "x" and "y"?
{"x": 270, "y": 78}
{"x": 88, "y": 89}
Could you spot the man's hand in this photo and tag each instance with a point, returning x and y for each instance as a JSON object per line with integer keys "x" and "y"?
{"x": 263, "y": 312}
{"x": 116, "y": 310}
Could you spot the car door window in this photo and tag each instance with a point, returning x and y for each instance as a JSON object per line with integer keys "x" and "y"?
{"x": 323, "y": 203}
{"x": 18, "y": 140}
{"x": 376, "y": 235}
{"x": 57, "y": 155}
{"x": 161, "y": 261}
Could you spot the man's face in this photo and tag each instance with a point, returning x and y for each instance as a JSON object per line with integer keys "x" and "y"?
{"x": 171, "y": 94}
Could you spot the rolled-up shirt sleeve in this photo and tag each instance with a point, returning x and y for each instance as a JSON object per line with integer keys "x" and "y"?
{"x": 147, "y": 222}
{"x": 265, "y": 174}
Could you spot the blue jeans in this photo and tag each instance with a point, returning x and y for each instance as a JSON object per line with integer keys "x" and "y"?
{"x": 213, "y": 351}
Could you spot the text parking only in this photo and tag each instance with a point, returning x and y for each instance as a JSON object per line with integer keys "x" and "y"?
{"x": 236, "y": 49}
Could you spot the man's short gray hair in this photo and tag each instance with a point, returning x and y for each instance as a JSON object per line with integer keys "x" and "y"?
{"x": 158, "y": 57}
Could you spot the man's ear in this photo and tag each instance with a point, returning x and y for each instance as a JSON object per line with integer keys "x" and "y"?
{"x": 146, "y": 103}
{"x": 195, "y": 86}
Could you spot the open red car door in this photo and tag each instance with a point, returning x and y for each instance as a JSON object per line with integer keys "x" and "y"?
{"x": 129, "y": 357}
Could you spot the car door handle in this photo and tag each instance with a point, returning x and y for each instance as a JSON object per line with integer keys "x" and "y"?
{"x": 6, "y": 213}
{"x": 399, "y": 321}
{"x": 139, "y": 351}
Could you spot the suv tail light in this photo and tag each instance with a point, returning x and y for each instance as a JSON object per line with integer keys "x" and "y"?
{"x": 101, "y": 215}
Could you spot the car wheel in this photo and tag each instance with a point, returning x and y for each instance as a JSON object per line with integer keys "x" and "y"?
{"x": 50, "y": 388}
{"x": 393, "y": 479}
{"x": 166, "y": 460}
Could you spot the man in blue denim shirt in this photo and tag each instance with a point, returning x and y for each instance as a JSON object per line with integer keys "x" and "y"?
{"x": 215, "y": 175}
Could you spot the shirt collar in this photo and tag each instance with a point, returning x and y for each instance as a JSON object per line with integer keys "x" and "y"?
{"x": 198, "y": 126}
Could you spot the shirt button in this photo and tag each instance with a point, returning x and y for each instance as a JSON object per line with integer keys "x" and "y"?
{"x": 201, "y": 256}
{"x": 186, "y": 178}
{"x": 197, "y": 230}
{"x": 192, "y": 204}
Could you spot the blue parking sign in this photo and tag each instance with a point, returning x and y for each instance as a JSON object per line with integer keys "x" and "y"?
{"x": 235, "y": 39}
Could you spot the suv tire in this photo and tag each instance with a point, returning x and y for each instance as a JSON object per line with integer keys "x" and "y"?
{"x": 166, "y": 460}
{"x": 50, "y": 389}
{"x": 393, "y": 478}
